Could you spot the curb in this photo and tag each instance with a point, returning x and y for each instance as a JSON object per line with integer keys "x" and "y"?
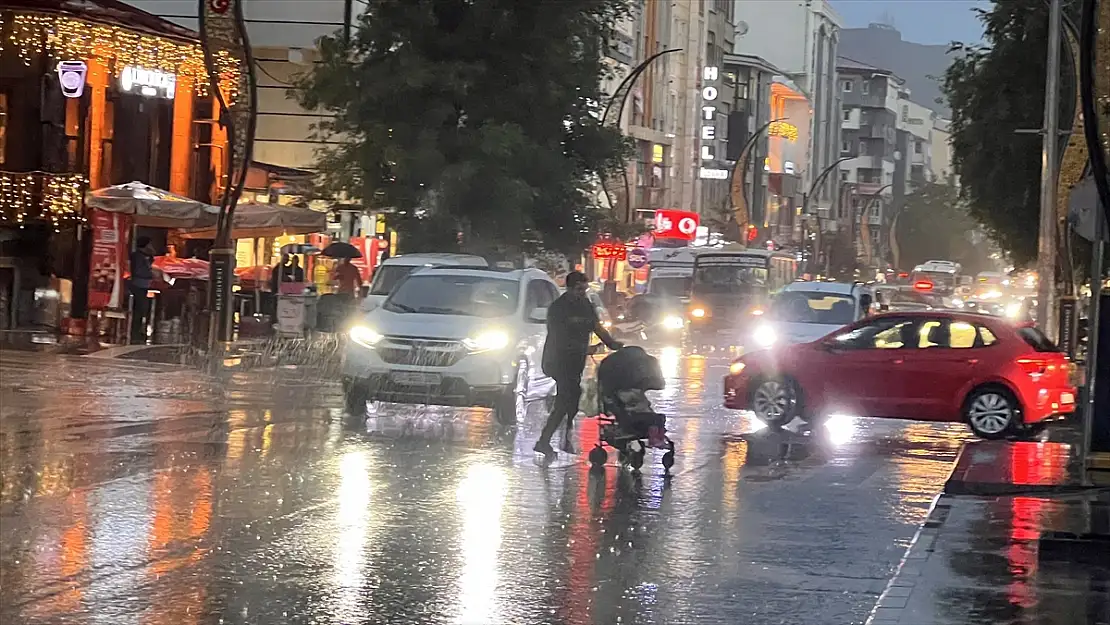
{"x": 963, "y": 479}
{"x": 891, "y": 605}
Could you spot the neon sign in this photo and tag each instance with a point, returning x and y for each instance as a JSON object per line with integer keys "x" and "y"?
{"x": 709, "y": 95}
{"x": 610, "y": 251}
{"x": 148, "y": 82}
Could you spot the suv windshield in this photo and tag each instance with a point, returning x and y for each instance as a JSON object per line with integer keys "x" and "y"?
{"x": 811, "y": 307}
{"x": 474, "y": 296}
{"x": 388, "y": 276}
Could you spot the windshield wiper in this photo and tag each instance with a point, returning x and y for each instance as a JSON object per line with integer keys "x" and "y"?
{"x": 402, "y": 307}
{"x": 436, "y": 310}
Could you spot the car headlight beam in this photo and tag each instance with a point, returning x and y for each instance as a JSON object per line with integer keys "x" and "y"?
{"x": 765, "y": 336}
{"x": 364, "y": 335}
{"x": 487, "y": 341}
{"x": 673, "y": 322}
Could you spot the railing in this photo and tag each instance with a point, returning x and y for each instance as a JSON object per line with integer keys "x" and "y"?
{"x": 39, "y": 196}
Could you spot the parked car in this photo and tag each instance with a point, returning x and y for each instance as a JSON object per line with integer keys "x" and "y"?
{"x": 998, "y": 377}
{"x": 454, "y": 337}
{"x": 396, "y": 268}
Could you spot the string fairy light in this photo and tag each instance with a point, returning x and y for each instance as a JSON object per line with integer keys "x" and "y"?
{"x": 41, "y": 196}
{"x": 62, "y": 37}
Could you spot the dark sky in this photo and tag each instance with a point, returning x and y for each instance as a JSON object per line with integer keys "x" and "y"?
{"x": 920, "y": 21}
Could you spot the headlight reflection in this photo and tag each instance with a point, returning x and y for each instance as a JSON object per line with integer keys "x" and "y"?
{"x": 480, "y": 497}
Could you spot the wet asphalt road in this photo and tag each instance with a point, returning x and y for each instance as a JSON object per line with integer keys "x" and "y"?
{"x": 142, "y": 493}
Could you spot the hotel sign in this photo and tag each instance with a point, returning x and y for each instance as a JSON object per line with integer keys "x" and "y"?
{"x": 709, "y": 93}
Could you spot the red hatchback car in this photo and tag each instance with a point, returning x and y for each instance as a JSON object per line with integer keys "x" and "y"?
{"x": 998, "y": 377}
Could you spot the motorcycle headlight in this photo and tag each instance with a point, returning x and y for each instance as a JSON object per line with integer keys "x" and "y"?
{"x": 487, "y": 341}
{"x": 673, "y": 322}
{"x": 765, "y": 336}
{"x": 364, "y": 335}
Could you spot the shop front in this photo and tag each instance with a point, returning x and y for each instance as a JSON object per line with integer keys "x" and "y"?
{"x": 92, "y": 94}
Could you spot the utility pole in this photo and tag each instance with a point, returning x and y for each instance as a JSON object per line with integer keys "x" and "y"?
{"x": 1046, "y": 241}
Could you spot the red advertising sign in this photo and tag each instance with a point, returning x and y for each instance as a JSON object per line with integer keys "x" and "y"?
{"x": 109, "y": 260}
{"x": 676, "y": 224}
{"x": 610, "y": 251}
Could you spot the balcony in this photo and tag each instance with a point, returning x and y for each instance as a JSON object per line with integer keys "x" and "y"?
{"x": 38, "y": 196}
{"x": 878, "y": 131}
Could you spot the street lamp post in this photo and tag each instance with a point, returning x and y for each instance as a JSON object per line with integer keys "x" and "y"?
{"x": 738, "y": 191}
{"x": 223, "y": 29}
{"x": 1046, "y": 240}
{"x": 805, "y": 207}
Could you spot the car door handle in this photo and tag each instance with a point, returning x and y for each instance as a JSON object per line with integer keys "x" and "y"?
{"x": 898, "y": 361}
{"x": 972, "y": 361}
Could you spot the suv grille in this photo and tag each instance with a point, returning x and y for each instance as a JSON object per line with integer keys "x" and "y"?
{"x": 397, "y": 350}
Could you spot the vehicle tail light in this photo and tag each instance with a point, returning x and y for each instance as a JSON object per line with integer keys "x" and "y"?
{"x": 1035, "y": 366}
{"x": 922, "y": 285}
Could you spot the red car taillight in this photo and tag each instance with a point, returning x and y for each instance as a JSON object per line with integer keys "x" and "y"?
{"x": 1033, "y": 366}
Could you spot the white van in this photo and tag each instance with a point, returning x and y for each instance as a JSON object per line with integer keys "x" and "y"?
{"x": 396, "y": 268}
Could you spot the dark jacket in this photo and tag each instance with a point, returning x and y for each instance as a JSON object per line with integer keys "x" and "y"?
{"x": 571, "y": 320}
{"x": 142, "y": 270}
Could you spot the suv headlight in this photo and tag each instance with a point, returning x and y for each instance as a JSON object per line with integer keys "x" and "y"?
{"x": 364, "y": 335}
{"x": 765, "y": 336}
{"x": 673, "y": 322}
{"x": 487, "y": 341}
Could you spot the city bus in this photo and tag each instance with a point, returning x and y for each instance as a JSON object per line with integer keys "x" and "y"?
{"x": 730, "y": 287}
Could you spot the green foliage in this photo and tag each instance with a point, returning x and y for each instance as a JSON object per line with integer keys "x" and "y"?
{"x": 995, "y": 90}
{"x": 934, "y": 225}
{"x": 478, "y": 117}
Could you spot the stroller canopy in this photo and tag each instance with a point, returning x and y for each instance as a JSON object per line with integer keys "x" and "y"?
{"x": 630, "y": 368}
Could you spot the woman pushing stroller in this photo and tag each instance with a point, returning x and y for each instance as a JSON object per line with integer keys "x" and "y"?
{"x": 571, "y": 320}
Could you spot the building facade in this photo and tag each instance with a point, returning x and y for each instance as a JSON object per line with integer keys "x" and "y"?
{"x": 91, "y": 95}
{"x": 801, "y": 37}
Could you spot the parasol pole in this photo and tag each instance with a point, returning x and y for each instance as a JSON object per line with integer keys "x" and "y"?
{"x": 258, "y": 275}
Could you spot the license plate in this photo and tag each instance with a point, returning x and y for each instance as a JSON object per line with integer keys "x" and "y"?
{"x": 415, "y": 378}
{"x": 1067, "y": 398}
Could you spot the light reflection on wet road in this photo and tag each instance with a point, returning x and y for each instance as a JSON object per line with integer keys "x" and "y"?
{"x": 136, "y": 493}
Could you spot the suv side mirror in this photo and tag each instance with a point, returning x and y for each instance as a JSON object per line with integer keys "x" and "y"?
{"x": 538, "y": 315}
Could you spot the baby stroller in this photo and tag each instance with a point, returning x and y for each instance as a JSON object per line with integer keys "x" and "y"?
{"x": 627, "y": 422}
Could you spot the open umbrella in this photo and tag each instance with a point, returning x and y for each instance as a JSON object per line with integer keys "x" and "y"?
{"x": 340, "y": 249}
{"x": 151, "y": 206}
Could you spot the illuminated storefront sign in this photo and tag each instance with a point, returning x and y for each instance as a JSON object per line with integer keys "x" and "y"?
{"x": 784, "y": 130}
{"x": 71, "y": 78}
{"x": 709, "y": 95}
{"x": 676, "y": 224}
{"x": 148, "y": 82}
{"x": 610, "y": 251}
{"x": 712, "y": 173}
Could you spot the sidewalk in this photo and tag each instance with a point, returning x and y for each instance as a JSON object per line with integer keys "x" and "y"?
{"x": 1013, "y": 540}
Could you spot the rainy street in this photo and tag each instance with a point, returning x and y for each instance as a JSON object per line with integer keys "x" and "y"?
{"x": 143, "y": 493}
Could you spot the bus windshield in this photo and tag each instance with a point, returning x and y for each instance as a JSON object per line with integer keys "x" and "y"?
{"x": 670, "y": 286}
{"x": 726, "y": 278}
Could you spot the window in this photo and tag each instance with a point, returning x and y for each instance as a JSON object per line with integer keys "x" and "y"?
{"x": 887, "y": 333}
{"x": 844, "y": 175}
{"x": 847, "y": 115}
{"x": 987, "y": 337}
{"x": 941, "y": 333}
{"x": 847, "y": 86}
{"x": 918, "y": 146}
{"x": 540, "y": 295}
{"x": 862, "y": 146}
{"x": 865, "y": 88}
{"x": 845, "y": 147}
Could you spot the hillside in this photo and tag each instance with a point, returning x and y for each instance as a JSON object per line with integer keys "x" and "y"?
{"x": 921, "y": 66}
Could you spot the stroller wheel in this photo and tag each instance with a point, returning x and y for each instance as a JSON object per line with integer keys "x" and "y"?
{"x": 598, "y": 457}
{"x": 668, "y": 460}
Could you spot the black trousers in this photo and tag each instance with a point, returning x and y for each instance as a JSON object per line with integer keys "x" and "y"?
{"x": 568, "y": 390}
{"x": 140, "y": 315}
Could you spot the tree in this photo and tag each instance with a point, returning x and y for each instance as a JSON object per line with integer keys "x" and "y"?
{"x": 935, "y": 225}
{"x": 477, "y": 121}
{"x": 994, "y": 90}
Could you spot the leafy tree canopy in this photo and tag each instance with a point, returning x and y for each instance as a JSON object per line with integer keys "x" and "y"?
{"x": 934, "y": 225}
{"x": 478, "y": 117}
{"x": 994, "y": 90}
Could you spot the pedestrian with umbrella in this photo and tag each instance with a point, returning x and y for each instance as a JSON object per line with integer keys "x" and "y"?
{"x": 346, "y": 274}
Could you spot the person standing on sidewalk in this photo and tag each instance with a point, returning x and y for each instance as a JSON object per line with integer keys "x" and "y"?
{"x": 571, "y": 320}
{"x": 143, "y": 273}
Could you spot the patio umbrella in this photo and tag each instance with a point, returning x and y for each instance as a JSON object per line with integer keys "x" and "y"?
{"x": 340, "y": 249}
{"x": 153, "y": 207}
{"x": 253, "y": 221}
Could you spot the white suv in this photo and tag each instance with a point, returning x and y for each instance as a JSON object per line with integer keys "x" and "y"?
{"x": 454, "y": 337}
